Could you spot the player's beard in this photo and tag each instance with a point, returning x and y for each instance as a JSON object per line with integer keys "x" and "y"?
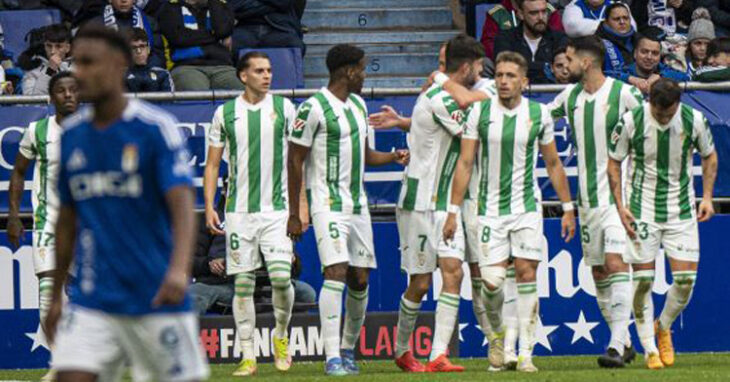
{"x": 471, "y": 78}
{"x": 575, "y": 77}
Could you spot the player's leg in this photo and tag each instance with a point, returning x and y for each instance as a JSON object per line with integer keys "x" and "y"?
{"x": 44, "y": 264}
{"x": 410, "y": 305}
{"x": 509, "y": 319}
{"x": 278, "y": 255}
{"x": 362, "y": 260}
{"x": 591, "y": 239}
{"x": 681, "y": 244}
{"x": 242, "y": 258}
{"x": 450, "y": 260}
{"x": 471, "y": 254}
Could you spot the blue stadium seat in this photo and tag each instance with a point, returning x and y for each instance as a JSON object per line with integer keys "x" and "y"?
{"x": 286, "y": 64}
{"x": 481, "y": 16}
{"x": 16, "y": 24}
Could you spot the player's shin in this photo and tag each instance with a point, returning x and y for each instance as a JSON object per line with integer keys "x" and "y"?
{"x": 494, "y": 277}
{"x": 244, "y": 312}
{"x": 45, "y": 291}
{"x": 447, "y": 311}
{"x": 330, "y": 312}
{"x": 478, "y": 305}
{"x": 678, "y": 297}
{"x": 407, "y": 315}
{"x": 644, "y": 309}
{"x": 356, "y": 304}
{"x": 603, "y": 298}
{"x": 620, "y": 309}
{"x": 527, "y": 313}
{"x": 282, "y": 295}
{"x": 509, "y": 316}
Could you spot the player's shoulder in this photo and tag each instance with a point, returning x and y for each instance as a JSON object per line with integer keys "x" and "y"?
{"x": 80, "y": 118}
{"x": 358, "y": 101}
{"x": 434, "y": 92}
{"x": 153, "y": 120}
{"x": 275, "y": 98}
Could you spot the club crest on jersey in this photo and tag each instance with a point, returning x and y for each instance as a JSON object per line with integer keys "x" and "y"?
{"x": 76, "y": 161}
{"x": 130, "y": 158}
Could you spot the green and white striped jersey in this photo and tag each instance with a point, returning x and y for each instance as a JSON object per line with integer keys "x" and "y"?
{"x": 255, "y": 140}
{"x": 337, "y": 133}
{"x": 507, "y": 154}
{"x": 434, "y": 141}
{"x": 592, "y": 118}
{"x": 42, "y": 142}
{"x": 660, "y": 172}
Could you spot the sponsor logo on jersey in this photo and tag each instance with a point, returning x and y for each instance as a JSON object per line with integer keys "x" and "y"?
{"x": 105, "y": 184}
{"x": 130, "y": 158}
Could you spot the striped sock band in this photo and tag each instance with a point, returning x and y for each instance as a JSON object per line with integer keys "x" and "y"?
{"x": 245, "y": 284}
{"x": 603, "y": 284}
{"x": 279, "y": 273}
{"x": 644, "y": 275}
{"x": 449, "y": 299}
{"x": 619, "y": 277}
{"x": 334, "y": 286}
{"x": 527, "y": 288}
{"x": 684, "y": 277}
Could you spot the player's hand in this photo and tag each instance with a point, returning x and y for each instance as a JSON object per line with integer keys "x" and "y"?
{"x": 217, "y": 266}
{"x": 627, "y": 219}
{"x": 213, "y": 222}
{"x": 15, "y": 230}
{"x": 567, "y": 230}
{"x": 402, "y": 157}
{"x": 294, "y": 227}
{"x": 704, "y": 212}
{"x": 387, "y": 118}
{"x": 51, "y": 323}
{"x": 172, "y": 290}
{"x": 449, "y": 228}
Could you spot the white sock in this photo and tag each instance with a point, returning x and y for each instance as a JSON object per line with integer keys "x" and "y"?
{"x": 620, "y": 310}
{"x": 603, "y": 298}
{"x": 244, "y": 312}
{"x": 494, "y": 301}
{"x": 644, "y": 309}
{"x": 477, "y": 304}
{"x": 447, "y": 311}
{"x": 407, "y": 315}
{"x": 356, "y": 305}
{"x": 678, "y": 297}
{"x": 330, "y": 313}
{"x": 45, "y": 293}
{"x": 527, "y": 307}
{"x": 509, "y": 313}
{"x": 282, "y": 295}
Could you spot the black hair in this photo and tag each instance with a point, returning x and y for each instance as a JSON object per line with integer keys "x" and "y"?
{"x": 57, "y": 77}
{"x": 245, "y": 60}
{"x": 138, "y": 34}
{"x": 115, "y": 40}
{"x": 641, "y": 37}
{"x": 615, "y": 5}
{"x": 591, "y": 45}
{"x": 718, "y": 45}
{"x": 561, "y": 49}
{"x": 462, "y": 49}
{"x": 57, "y": 33}
{"x": 665, "y": 93}
{"x": 343, "y": 55}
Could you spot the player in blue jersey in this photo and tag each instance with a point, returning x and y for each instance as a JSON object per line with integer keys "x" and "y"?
{"x": 127, "y": 220}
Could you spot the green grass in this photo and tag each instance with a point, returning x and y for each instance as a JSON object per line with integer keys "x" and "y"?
{"x": 688, "y": 367}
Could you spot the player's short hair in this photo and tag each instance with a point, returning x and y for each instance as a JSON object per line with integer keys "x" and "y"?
{"x": 57, "y": 33}
{"x": 245, "y": 61}
{"x": 115, "y": 40}
{"x": 138, "y": 34}
{"x": 343, "y": 55}
{"x": 57, "y": 77}
{"x": 591, "y": 45}
{"x": 665, "y": 93}
{"x": 718, "y": 45}
{"x": 513, "y": 57}
{"x": 462, "y": 49}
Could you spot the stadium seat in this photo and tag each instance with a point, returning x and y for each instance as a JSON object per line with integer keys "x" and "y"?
{"x": 286, "y": 64}
{"x": 16, "y": 24}
{"x": 481, "y": 17}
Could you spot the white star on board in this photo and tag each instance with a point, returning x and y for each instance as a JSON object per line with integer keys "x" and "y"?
{"x": 39, "y": 339}
{"x": 461, "y": 328}
{"x": 581, "y": 328}
{"x": 485, "y": 341}
{"x": 542, "y": 332}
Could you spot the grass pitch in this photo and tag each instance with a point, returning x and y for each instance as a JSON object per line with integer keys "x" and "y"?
{"x": 688, "y": 367}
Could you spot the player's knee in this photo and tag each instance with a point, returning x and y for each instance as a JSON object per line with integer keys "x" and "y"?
{"x": 245, "y": 284}
{"x": 453, "y": 276}
{"x": 280, "y": 280}
{"x": 357, "y": 279}
{"x": 336, "y": 272}
{"x": 419, "y": 284}
{"x": 599, "y": 272}
{"x": 493, "y": 277}
{"x": 683, "y": 284}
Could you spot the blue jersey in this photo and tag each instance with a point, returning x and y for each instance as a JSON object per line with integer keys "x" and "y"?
{"x": 116, "y": 179}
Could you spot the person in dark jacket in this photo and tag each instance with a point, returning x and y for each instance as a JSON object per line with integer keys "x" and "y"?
{"x": 618, "y": 38}
{"x": 720, "y": 12}
{"x": 674, "y": 16}
{"x": 718, "y": 62}
{"x": 143, "y": 76}
{"x": 266, "y": 23}
{"x": 533, "y": 40}
{"x": 198, "y": 33}
{"x": 647, "y": 67}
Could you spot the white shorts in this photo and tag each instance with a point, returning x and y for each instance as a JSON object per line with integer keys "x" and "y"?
{"x": 680, "y": 241}
{"x": 160, "y": 347}
{"x": 601, "y": 232}
{"x": 344, "y": 238}
{"x": 421, "y": 240}
{"x": 518, "y": 235}
{"x": 44, "y": 249}
{"x": 251, "y": 236}
{"x": 471, "y": 230}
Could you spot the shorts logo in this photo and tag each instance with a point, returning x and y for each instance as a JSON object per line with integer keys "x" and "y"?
{"x": 170, "y": 340}
{"x": 338, "y": 246}
{"x": 421, "y": 259}
{"x": 236, "y": 257}
{"x": 130, "y": 158}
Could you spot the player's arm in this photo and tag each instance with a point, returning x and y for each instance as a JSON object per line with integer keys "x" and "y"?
{"x": 15, "y": 194}
{"x": 216, "y": 144}
{"x": 65, "y": 231}
{"x": 464, "y": 97}
{"x": 295, "y": 167}
{"x": 706, "y": 148}
{"x": 380, "y": 158}
{"x": 462, "y": 174}
{"x": 559, "y": 180}
{"x": 388, "y": 118}
{"x": 618, "y": 149}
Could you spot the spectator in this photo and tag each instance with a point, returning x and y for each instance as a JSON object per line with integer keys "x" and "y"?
{"x": 199, "y": 36}
{"x": 559, "y": 72}
{"x": 720, "y": 12}
{"x": 143, "y": 76}
{"x": 93, "y": 8}
{"x": 718, "y": 60}
{"x": 504, "y": 16}
{"x": 618, "y": 38}
{"x": 124, "y": 15}
{"x": 582, "y": 17}
{"x": 532, "y": 39}
{"x": 673, "y": 16}
{"x": 701, "y": 32}
{"x": 266, "y": 23}
{"x": 647, "y": 67}
{"x": 57, "y": 45}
